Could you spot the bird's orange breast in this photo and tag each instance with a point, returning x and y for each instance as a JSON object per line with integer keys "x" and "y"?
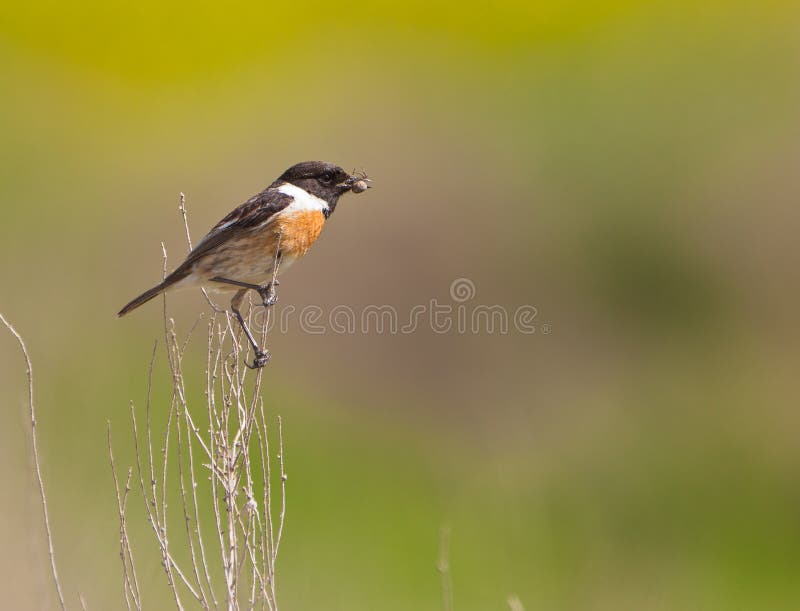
{"x": 298, "y": 231}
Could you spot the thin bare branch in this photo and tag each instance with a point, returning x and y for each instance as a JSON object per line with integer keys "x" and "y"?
{"x": 443, "y": 566}
{"x": 185, "y": 215}
{"x": 35, "y": 445}
{"x": 247, "y": 536}
{"x": 514, "y": 603}
{"x": 130, "y": 584}
{"x": 284, "y": 477}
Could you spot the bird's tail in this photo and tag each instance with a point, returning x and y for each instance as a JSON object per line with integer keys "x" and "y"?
{"x": 143, "y": 298}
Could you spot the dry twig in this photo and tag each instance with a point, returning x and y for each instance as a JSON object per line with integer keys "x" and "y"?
{"x": 247, "y": 536}
{"x": 514, "y": 603}
{"x": 443, "y": 566}
{"x": 35, "y": 445}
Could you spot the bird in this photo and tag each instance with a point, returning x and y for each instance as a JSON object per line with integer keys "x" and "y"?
{"x": 266, "y": 234}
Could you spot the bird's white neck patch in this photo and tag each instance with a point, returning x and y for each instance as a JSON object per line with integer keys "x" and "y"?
{"x": 303, "y": 200}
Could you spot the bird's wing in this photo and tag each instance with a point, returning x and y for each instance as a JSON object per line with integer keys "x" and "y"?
{"x": 255, "y": 212}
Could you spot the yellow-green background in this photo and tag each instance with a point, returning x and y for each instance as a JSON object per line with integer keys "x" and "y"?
{"x": 629, "y": 168}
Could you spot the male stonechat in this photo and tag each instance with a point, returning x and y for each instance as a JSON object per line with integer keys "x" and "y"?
{"x": 266, "y": 234}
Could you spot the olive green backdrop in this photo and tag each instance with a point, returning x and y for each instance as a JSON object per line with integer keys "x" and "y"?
{"x": 628, "y": 168}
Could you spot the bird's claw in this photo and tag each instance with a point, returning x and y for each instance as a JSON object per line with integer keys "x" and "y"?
{"x": 269, "y": 297}
{"x": 261, "y": 358}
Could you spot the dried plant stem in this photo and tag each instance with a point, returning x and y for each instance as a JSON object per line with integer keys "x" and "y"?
{"x": 185, "y": 216}
{"x": 443, "y": 566}
{"x": 35, "y": 445}
{"x": 220, "y": 435}
{"x": 130, "y": 583}
{"x": 514, "y": 603}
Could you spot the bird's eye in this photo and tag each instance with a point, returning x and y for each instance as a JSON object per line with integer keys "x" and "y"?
{"x": 327, "y": 178}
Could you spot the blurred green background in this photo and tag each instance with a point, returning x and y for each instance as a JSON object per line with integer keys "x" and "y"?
{"x": 629, "y": 168}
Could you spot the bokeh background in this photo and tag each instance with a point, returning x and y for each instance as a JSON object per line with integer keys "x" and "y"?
{"x": 628, "y": 168}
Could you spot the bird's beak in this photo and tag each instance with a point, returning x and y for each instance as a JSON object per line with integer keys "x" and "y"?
{"x": 357, "y": 183}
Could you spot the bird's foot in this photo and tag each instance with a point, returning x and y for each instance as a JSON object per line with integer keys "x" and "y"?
{"x": 261, "y": 358}
{"x": 269, "y": 297}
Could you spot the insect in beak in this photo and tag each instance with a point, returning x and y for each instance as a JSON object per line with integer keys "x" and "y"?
{"x": 357, "y": 183}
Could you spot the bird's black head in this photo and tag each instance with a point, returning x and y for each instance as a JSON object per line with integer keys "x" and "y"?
{"x": 325, "y": 180}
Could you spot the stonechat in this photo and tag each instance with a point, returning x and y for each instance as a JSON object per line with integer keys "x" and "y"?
{"x": 267, "y": 233}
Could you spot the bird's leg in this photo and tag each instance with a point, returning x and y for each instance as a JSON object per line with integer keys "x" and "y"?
{"x": 266, "y": 291}
{"x": 261, "y": 356}
{"x": 268, "y": 299}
